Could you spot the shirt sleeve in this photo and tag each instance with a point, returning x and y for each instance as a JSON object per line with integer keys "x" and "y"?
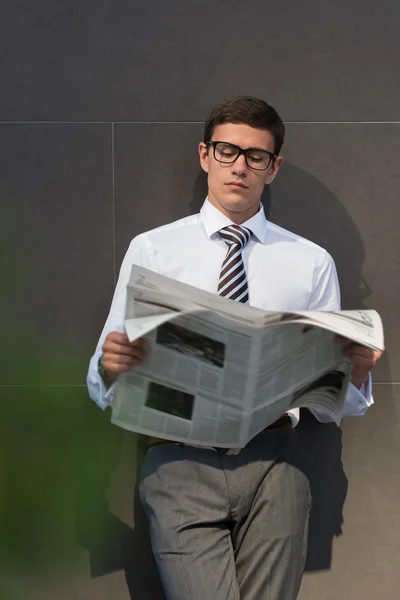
{"x": 326, "y": 291}
{"x": 137, "y": 255}
{"x": 326, "y": 296}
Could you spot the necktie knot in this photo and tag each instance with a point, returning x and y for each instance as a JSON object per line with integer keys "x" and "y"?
{"x": 236, "y": 234}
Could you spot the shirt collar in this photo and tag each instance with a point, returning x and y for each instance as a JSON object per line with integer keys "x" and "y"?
{"x": 214, "y": 220}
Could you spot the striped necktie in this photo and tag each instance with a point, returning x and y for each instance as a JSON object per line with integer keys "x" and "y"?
{"x": 233, "y": 281}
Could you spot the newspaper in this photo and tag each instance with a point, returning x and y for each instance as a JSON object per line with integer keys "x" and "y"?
{"x": 218, "y": 372}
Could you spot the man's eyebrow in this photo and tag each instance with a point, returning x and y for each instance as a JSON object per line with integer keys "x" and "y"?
{"x": 251, "y": 147}
{"x": 257, "y": 148}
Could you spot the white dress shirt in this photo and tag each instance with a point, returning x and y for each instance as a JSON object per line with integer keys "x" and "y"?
{"x": 285, "y": 272}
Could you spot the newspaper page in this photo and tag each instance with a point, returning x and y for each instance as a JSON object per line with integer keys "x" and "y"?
{"x": 218, "y": 372}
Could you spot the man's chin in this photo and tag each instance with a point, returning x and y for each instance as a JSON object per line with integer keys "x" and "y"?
{"x": 236, "y": 204}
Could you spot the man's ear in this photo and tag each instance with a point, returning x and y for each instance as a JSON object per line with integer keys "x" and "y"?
{"x": 273, "y": 171}
{"x": 203, "y": 154}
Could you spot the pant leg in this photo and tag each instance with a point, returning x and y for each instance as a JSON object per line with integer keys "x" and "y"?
{"x": 184, "y": 494}
{"x": 271, "y": 524}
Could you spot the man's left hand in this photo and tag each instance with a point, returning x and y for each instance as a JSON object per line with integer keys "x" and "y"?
{"x": 363, "y": 359}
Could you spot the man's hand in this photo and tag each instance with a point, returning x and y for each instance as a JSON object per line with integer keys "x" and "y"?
{"x": 363, "y": 359}
{"x": 120, "y": 355}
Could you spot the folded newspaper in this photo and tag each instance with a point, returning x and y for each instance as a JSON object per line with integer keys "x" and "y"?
{"x": 218, "y": 372}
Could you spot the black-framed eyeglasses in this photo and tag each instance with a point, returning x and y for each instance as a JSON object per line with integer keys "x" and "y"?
{"x": 256, "y": 158}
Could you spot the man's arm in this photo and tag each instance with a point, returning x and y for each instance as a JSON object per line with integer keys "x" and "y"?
{"x": 326, "y": 296}
{"x": 116, "y": 352}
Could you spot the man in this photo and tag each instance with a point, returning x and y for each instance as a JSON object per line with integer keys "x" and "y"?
{"x": 228, "y": 525}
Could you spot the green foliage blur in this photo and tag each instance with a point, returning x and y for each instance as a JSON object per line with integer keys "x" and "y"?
{"x": 57, "y": 449}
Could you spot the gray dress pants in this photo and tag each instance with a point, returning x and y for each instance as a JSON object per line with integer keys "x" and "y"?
{"x": 228, "y": 527}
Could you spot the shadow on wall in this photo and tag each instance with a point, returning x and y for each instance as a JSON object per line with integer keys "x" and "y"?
{"x": 300, "y": 203}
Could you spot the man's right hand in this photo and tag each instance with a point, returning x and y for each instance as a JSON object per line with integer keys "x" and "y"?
{"x": 120, "y": 355}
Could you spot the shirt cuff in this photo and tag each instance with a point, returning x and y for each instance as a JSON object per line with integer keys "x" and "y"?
{"x": 358, "y": 400}
{"x": 356, "y": 403}
{"x": 109, "y": 394}
{"x": 98, "y": 391}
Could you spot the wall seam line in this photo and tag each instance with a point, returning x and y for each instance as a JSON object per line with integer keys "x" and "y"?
{"x": 188, "y": 122}
{"x": 113, "y": 202}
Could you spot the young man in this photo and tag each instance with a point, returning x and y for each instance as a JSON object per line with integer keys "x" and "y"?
{"x": 228, "y": 525}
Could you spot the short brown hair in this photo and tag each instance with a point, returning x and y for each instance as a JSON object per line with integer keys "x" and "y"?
{"x": 250, "y": 111}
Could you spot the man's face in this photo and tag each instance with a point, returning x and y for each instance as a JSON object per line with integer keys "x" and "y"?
{"x": 235, "y": 189}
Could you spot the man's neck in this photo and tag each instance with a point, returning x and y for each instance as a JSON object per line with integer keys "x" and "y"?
{"x": 238, "y": 217}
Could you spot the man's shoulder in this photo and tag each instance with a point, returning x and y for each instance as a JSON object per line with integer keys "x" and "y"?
{"x": 277, "y": 234}
{"x": 184, "y": 225}
{"x": 164, "y": 241}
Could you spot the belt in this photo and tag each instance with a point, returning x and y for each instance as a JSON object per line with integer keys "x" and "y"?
{"x": 283, "y": 420}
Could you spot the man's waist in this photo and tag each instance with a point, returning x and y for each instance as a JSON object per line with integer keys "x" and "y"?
{"x": 283, "y": 420}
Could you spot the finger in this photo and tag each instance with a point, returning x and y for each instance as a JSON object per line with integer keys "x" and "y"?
{"x": 361, "y": 361}
{"x": 356, "y": 348}
{"x": 364, "y": 350}
{"x": 128, "y": 359}
{"x": 353, "y": 346}
{"x": 137, "y": 355}
{"x": 120, "y": 367}
{"x": 361, "y": 350}
{"x": 115, "y": 369}
{"x": 125, "y": 348}
{"x": 117, "y": 337}
{"x": 352, "y": 352}
{"x": 114, "y": 348}
{"x": 134, "y": 354}
{"x": 117, "y": 359}
{"x": 120, "y": 339}
{"x": 355, "y": 354}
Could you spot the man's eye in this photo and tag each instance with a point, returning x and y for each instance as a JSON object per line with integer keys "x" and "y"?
{"x": 256, "y": 157}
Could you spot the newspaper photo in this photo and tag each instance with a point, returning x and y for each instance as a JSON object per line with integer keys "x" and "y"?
{"x": 218, "y": 372}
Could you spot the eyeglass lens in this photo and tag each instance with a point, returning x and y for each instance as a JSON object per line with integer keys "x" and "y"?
{"x": 228, "y": 153}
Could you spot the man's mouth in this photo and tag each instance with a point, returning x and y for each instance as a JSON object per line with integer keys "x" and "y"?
{"x": 237, "y": 184}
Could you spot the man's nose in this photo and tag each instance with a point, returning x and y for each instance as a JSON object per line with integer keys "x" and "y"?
{"x": 240, "y": 167}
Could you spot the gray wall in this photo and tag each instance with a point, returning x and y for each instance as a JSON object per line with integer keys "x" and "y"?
{"x": 101, "y": 108}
